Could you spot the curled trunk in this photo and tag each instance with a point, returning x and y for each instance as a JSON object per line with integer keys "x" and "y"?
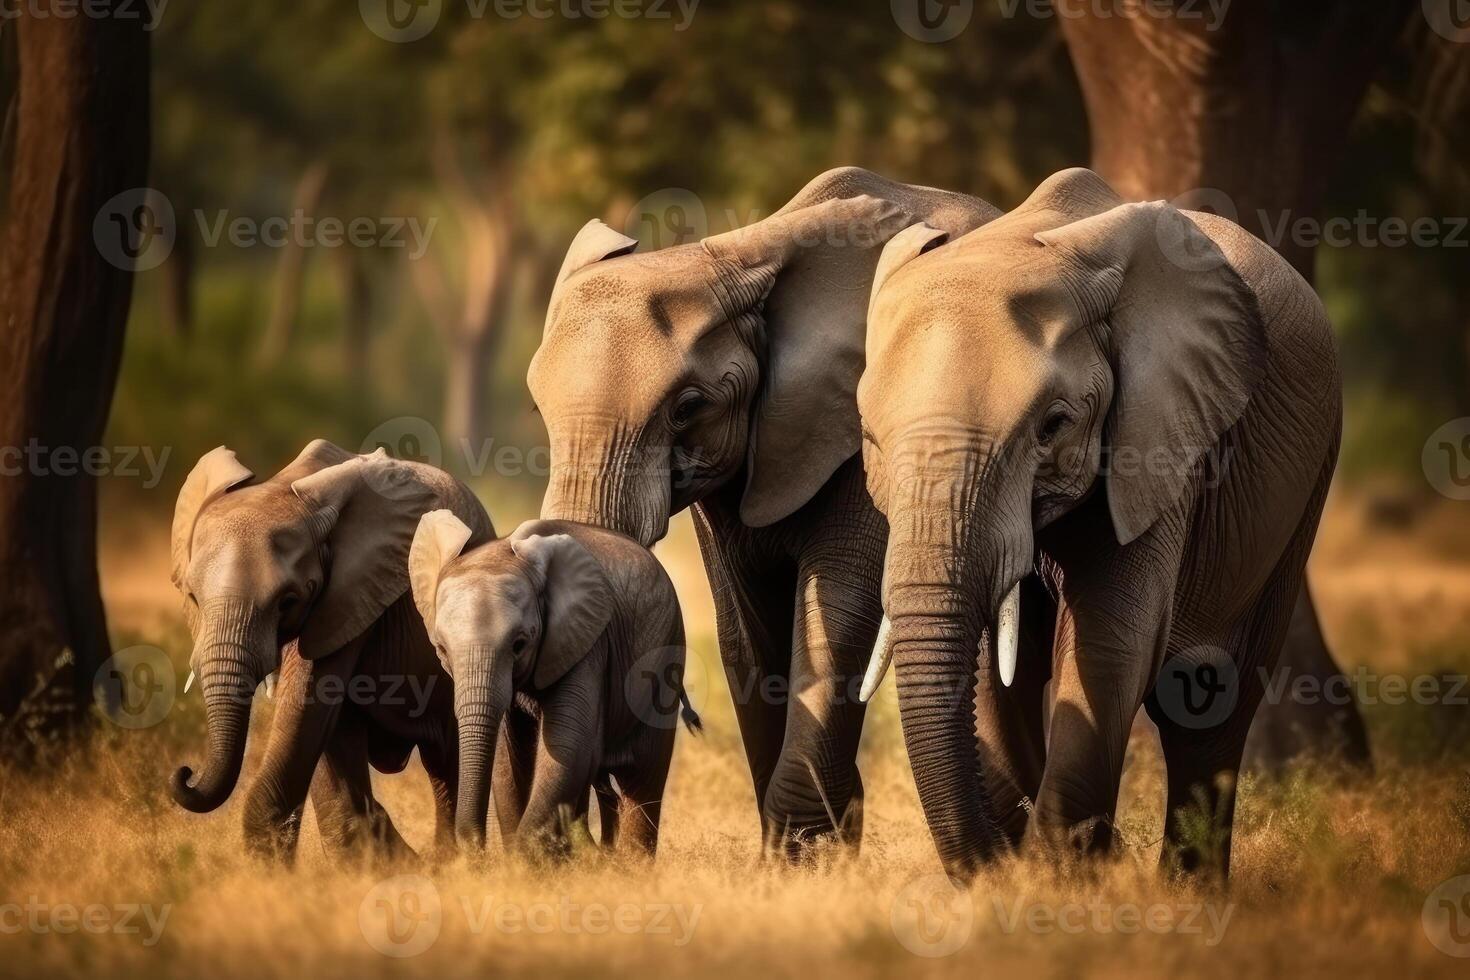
{"x": 482, "y": 693}
{"x": 227, "y": 663}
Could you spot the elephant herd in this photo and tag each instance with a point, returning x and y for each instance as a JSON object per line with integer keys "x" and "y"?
{"x": 1029, "y": 460}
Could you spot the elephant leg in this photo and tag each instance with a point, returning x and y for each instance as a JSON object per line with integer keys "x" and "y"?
{"x": 515, "y": 768}
{"x": 1293, "y": 728}
{"x": 1009, "y": 721}
{"x": 609, "y": 803}
{"x": 442, "y": 768}
{"x": 1112, "y": 633}
{"x": 815, "y": 791}
{"x": 641, "y": 790}
{"x": 753, "y": 616}
{"x": 567, "y": 756}
{"x": 308, "y": 703}
{"x": 1203, "y": 752}
{"x": 347, "y": 814}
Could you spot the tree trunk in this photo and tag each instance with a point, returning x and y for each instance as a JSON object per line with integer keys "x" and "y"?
{"x": 357, "y": 310}
{"x": 177, "y": 306}
{"x": 1247, "y": 120}
{"x": 82, "y": 138}
{"x": 1250, "y": 118}
{"x": 280, "y": 330}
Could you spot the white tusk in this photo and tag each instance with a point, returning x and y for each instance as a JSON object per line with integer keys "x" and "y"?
{"x": 270, "y": 685}
{"x": 878, "y": 664}
{"x": 189, "y": 683}
{"x": 1007, "y": 634}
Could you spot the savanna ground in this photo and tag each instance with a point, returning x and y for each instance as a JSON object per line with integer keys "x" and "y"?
{"x": 1331, "y": 870}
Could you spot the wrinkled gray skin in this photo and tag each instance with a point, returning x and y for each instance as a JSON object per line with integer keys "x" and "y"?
{"x": 1001, "y": 367}
{"x": 722, "y": 375}
{"x": 566, "y": 645}
{"x": 306, "y": 572}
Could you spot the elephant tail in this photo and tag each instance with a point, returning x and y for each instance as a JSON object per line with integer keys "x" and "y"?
{"x": 687, "y": 713}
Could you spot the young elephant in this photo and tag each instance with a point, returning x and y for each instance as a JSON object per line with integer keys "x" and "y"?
{"x": 304, "y": 572}
{"x": 572, "y": 636}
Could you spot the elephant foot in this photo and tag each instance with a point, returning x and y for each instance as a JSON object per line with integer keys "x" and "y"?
{"x": 273, "y": 837}
{"x": 1068, "y": 840}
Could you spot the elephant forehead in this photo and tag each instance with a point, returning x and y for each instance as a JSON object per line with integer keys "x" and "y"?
{"x": 476, "y": 601}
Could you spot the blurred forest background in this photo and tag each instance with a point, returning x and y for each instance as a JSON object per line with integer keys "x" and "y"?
{"x": 512, "y": 133}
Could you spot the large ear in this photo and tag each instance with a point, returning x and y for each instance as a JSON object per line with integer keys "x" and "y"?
{"x": 439, "y": 539}
{"x": 578, "y": 600}
{"x": 812, "y": 269}
{"x": 594, "y": 243}
{"x": 367, "y": 511}
{"x": 1187, "y": 343}
{"x": 902, "y": 249}
{"x": 217, "y": 473}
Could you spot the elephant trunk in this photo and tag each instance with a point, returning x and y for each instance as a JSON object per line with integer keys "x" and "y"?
{"x": 959, "y": 541}
{"x": 482, "y": 694}
{"x": 605, "y": 476}
{"x": 935, "y": 638}
{"x": 228, "y": 664}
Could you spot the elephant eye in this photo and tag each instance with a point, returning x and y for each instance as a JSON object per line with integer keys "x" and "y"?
{"x": 519, "y": 646}
{"x": 686, "y": 407}
{"x": 1053, "y": 425}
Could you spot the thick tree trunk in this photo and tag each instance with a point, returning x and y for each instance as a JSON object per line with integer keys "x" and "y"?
{"x": 1250, "y": 117}
{"x": 1247, "y": 120}
{"x": 82, "y": 138}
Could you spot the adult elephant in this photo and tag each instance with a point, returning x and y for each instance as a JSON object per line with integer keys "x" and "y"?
{"x": 307, "y": 572}
{"x": 1139, "y": 408}
{"x": 722, "y": 374}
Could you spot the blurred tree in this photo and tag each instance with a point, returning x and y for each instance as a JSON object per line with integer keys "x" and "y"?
{"x": 82, "y": 123}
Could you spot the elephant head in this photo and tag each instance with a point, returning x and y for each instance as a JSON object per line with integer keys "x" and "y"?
{"x": 313, "y": 555}
{"x": 518, "y": 613}
{"x": 1076, "y": 345}
{"x": 663, "y": 377}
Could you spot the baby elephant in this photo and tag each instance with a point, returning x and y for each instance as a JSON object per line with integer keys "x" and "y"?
{"x": 566, "y": 642}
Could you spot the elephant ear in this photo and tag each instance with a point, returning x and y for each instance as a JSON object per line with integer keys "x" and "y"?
{"x": 809, "y": 271}
{"x": 366, "y": 511}
{"x": 216, "y": 474}
{"x": 594, "y": 243}
{"x": 438, "y": 541}
{"x": 902, "y": 249}
{"x": 1187, "y": 342}
{"x": 577, "y": 598}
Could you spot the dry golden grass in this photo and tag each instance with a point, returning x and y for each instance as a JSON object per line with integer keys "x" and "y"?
{"x": 1331, "y": 871}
